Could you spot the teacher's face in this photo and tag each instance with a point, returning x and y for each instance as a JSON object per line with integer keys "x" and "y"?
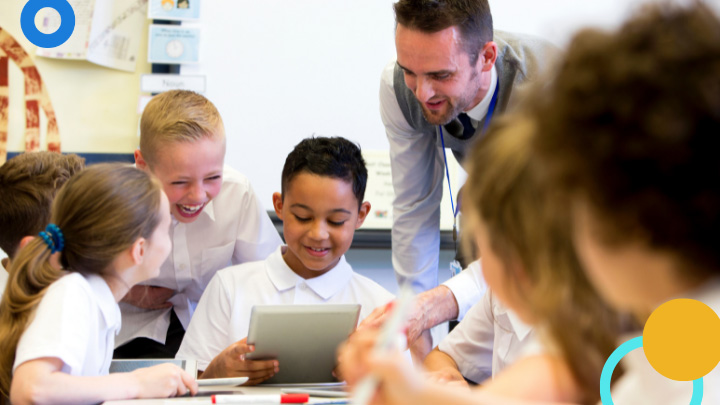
{"x": 438, "y": 71}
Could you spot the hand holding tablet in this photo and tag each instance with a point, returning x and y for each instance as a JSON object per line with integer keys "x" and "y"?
{"x": 235, "y": 361}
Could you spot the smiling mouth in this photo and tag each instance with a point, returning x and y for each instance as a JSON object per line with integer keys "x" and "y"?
{"x": 190, "y": 210}
{"x": 317, "y": 252}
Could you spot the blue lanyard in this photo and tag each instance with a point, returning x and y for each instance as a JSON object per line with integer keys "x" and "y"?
{"x": 488, "y": 117}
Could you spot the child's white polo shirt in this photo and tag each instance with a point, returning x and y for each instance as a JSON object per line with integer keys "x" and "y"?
{"x": 223, "y": 314}
{"x": 76, "y": 322}
{"x": 489, "y": 338}
{"x": 233, "y": 228}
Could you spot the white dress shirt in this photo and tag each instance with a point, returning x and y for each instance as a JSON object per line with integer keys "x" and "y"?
{"x": 76, "y": 322}
{"x": 490, "y": 338}
{"x": 223, "y": 314}
{"x": 233, "y": 228}
{"x": 418, "y": 170}
{"x": 641, "y": 384}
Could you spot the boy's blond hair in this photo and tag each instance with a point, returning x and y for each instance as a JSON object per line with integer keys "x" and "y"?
{"x": 177, "y": 116}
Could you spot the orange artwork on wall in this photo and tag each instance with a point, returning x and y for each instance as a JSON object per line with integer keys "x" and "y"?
{"x": 36, "y": 97}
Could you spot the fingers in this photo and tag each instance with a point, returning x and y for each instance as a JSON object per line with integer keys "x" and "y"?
{"x": 375, "y": 319}
{"x": 188, "y": 382}
{"x": 240, "y": 348}
{"x": 353, "y": 355}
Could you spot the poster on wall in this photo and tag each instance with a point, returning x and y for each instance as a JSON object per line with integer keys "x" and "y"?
{"x": 107, "y": 32}
{"x": 174, "y": 44}
{"x": 175, "y": 10}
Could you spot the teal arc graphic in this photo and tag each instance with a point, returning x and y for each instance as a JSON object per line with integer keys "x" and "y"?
{"x": 614, "y": 359}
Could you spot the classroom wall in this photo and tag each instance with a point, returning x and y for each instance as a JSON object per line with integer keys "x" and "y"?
{"x": 96, "y": 107}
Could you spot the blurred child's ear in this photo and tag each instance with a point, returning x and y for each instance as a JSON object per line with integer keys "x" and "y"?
{"x": 278, "y": 204}
{"x": 362, "y": 214}
{"x": 24, "y": 241}
{"x": 137, "y": 251}
{"x": 140, "y": 162}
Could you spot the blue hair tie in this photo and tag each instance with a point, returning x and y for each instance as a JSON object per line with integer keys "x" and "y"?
{"x": 54, "y": 238}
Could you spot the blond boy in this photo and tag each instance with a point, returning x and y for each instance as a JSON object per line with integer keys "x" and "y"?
{"x": 217, "y": 220}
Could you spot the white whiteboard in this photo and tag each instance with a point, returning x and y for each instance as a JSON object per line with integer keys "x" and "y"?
{"x": 281, "y": 70}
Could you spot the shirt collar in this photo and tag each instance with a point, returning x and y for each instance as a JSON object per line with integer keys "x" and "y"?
{"x": 106, "y": 301}
{"x": 327, "y": 285}
{"x": 479, "y": 112}
{"x": 209, "y": 210}
{"x": 521, "y": 328}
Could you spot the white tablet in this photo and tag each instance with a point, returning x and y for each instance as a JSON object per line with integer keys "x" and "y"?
{"x": 127, "y": 365}
{"x": 304, "y": 339}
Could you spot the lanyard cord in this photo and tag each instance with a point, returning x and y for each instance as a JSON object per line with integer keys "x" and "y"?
{"x": 488, "y": 117}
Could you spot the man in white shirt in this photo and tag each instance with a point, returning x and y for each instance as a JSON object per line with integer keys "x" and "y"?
{"x": 452, "y": 74}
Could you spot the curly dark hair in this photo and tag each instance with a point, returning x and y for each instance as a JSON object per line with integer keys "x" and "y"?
{"x": 631, "y": 124}
{"x": 332, "y": 157}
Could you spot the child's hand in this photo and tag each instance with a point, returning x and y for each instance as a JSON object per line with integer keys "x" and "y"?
{"x": 231, "y": 362}
{"x": 149, "y": 297}
{"x": 398, "y": 382}
{"x": 414, "y": 327}
{"x": 162, "y": 381}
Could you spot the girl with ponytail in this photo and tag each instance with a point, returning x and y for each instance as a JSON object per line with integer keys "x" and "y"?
{"x": 59, "y": 315}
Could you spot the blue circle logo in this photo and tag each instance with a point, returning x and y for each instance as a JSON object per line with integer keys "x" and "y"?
{"x": 57, "y": 38}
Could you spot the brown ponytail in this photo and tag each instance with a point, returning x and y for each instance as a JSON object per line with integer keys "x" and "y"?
{"x": 101, "y": 212}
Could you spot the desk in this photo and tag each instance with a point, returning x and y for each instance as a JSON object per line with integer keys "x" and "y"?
{"x": 258, "y": 390}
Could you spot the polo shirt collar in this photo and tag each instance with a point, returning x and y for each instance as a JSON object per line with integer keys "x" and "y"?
{"x": 106, "y": 301}
{"x": 209, "y": 210}
{"x": 325, "y": 286}
{"x": 521, "y": 328}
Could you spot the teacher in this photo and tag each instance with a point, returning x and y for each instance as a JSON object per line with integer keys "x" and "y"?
{"x": 452, "y": 75}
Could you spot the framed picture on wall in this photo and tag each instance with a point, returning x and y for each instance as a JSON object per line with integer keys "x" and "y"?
{"x": 174, "y": 10}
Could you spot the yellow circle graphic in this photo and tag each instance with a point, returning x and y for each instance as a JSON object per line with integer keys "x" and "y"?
{"x": 681, "y": 339}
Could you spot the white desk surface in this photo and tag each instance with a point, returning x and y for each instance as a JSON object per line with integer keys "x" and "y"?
{"x": 206, "y": 399}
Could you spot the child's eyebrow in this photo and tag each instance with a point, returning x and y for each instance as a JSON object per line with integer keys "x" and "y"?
{"x": 305, "y": 207}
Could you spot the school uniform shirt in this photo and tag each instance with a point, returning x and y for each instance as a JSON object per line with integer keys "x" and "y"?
{"x": 223, "y": 314}
{"x": 76, "y": 322}
{"x": 468, "y": 287}
{"x": 233, "y": 228}
{"x": 641, "y": 384}
{"x": 490, "y": 338}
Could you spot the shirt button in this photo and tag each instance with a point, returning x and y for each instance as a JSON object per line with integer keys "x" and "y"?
{"x": 183, "y": 267}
